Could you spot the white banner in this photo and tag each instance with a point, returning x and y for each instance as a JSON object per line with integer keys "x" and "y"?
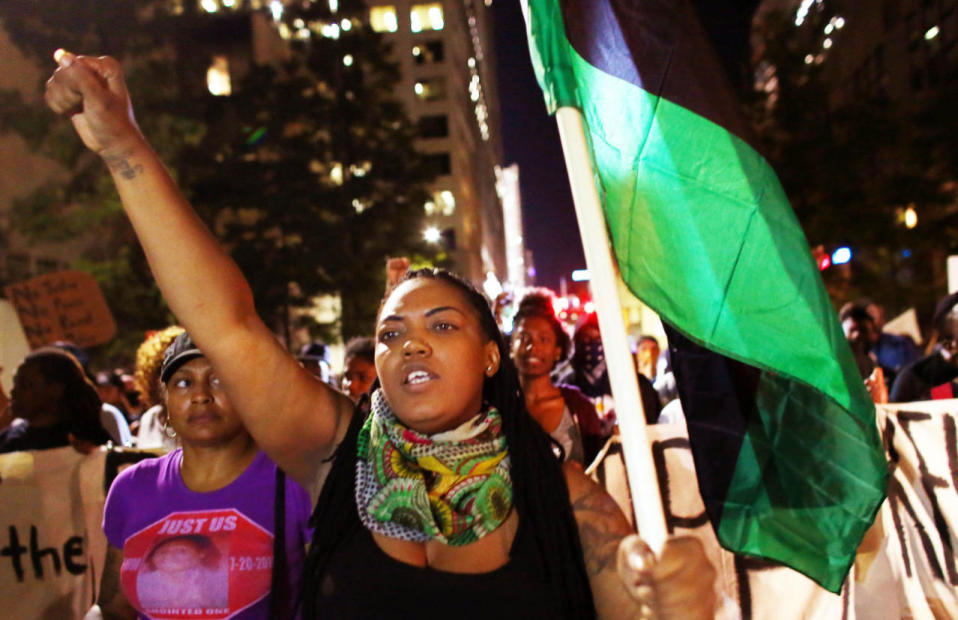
{"x": 906, "y": 566}
{"x": 52, "y": 547}
{"x": 47, "y": 556}
{"x": 51, "y": 544}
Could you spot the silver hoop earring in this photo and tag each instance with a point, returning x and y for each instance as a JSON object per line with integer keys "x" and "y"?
{"x": 168, "y": 431}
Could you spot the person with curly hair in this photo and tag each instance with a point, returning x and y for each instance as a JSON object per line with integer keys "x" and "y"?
{"x": 153, "y": 431}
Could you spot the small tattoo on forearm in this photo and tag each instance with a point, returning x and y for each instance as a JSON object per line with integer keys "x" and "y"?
{"x": 121, "y": 165}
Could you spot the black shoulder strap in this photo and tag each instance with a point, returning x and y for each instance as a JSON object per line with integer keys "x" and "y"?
{"x": 280, "y": 595}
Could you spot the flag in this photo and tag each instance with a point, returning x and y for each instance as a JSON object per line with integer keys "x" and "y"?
{"x": 783, "y": 432}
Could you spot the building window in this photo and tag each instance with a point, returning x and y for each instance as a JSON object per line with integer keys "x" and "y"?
{"x": 428, "y": 52}
{"x": 445, "y": 202}
{"x": 436, "y": 126}
{"x": 218, "y": 77}
{"x": 431, "y": 89}
{"x": 426, "y": 17}
{"x": 383, "y": 18}
{"x": 438, "y": 163}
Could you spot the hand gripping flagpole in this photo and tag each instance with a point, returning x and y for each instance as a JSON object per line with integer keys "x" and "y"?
{"x": 646, "y": 500}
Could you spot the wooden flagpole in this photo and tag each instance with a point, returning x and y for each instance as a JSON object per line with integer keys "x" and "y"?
{"x": 646, "y": 500}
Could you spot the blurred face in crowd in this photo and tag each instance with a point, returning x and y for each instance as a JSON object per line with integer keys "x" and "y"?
{"x": 648, "y": 352}
{"x": 318, "y": 368}
{"x": 358, "y": 377}
{"x": 534, "y": 348}
{"x": 198, "y": 408}
{"x": 858, "y": 331}
{"x": 34, "y": 397}
{"x": 949, "y": 336}
{"x": 432, "y": 355}
{"x": 109, "y": 393}
{"x": 877, "y": 313}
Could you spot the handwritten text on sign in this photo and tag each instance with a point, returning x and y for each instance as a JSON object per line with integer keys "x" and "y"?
{"x": 67, "y": 305}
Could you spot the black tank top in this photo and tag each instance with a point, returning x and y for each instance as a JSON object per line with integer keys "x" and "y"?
{"x": 362, "y": 581}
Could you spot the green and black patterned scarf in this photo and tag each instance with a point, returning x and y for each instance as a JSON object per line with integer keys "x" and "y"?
{"x": 453, "y": 487}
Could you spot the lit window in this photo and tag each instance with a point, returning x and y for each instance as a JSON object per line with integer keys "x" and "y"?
{"x": 218, "y": 77}
{"x": 336, "y": 173}
{"x": 431, "y": 89}
{"x": 383, "y": 19}
{"x": 210, "y": 6}
{"x": 426, "y": 17}
{"x": 446, "y": 202}
{"x": 276, "y": 9}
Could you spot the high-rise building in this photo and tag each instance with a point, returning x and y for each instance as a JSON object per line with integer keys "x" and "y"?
{"x": 445, "y": 53}
{"x": 448, "y": 86}
{"x": 894, "y": 48}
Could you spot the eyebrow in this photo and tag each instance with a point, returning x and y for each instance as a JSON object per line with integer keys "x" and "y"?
{"x": 431, "y": 312}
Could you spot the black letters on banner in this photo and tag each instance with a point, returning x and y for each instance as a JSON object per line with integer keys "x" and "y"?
{"x": 930, "y": 483}
{"x": 672, "y": 520}
{"x": 15, "y": 550}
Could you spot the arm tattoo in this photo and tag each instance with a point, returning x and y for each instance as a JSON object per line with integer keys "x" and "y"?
{"x": 595, "y": 514}
{"x": 121, "y": 164}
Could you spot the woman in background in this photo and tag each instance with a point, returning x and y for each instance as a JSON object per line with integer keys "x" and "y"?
{"x": 54, "y": 404}
{"x": 215, "y": 511}
{"x": 539, "y": 342}
{"x": 153, "y": 431}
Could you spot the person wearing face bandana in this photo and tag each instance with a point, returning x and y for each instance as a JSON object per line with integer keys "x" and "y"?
{"x": 934, "y": 376}
{"x": 589, "y": 372}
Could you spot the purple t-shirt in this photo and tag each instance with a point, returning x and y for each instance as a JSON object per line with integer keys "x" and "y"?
{"x": 202, "y": 555}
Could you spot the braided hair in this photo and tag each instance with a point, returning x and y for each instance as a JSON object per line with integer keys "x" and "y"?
{"x": 540, "y": 494}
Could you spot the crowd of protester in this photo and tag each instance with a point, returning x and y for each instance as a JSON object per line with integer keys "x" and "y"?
{"x": 373, "y": 453}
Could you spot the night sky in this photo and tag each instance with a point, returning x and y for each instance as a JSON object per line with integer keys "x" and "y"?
{"x": 530, "y": 139}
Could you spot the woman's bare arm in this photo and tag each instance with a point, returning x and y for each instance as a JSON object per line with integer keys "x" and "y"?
{"x": 294, "y": 418}
{"x": 111, "y": 603}
{"x": 677, "y": 585}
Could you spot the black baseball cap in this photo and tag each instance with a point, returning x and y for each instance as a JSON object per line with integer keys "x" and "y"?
{"x": 180, "y": 351}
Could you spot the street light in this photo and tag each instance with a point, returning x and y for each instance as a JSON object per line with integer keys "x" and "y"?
{"x": 911, "y": 217}
{"x": 432, "y": 234}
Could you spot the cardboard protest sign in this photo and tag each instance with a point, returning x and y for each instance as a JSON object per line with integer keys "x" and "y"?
{"x": 67, "y": 305}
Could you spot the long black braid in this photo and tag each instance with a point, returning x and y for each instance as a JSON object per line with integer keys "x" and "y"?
{"x": 540, "y": 494}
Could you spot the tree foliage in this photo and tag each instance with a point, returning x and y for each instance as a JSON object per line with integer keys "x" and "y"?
{"x": 852, "y": 167}
{"x": 306, "y": 173}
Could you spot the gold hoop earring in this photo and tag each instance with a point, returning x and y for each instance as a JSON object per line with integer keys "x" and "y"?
{"x": 167, "y": 429}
